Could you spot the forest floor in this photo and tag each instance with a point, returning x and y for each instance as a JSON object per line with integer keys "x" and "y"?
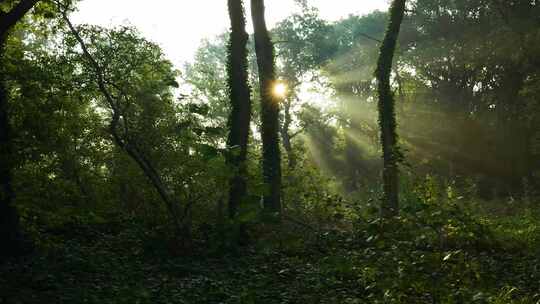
{"x": 118, "y": 262}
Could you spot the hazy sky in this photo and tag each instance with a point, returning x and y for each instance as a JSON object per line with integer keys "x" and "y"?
{"x": 179, "y": 25}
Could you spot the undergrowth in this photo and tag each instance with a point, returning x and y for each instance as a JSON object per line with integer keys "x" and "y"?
{"x": 437, "y": 251}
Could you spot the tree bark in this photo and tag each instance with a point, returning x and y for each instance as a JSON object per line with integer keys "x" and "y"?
{"x": 240, "y": 98}
{"x": 9, "y": 19}
{"x": 269, "y": 109}
{"x": 10, "y": 235}
{"x": 387, "y": 115}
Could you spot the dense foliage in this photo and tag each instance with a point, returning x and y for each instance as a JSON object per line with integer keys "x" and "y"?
{"x": 121, "y": 165}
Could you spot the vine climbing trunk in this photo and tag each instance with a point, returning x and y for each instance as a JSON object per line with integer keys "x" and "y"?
{"x": 269, "y": 109}
{"x": 240, "y": 98}
{"x": 10, "y": 236}
{"x": 387, "y": 114}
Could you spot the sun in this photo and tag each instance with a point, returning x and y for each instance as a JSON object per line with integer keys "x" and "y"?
{"x": 280, "y": 90}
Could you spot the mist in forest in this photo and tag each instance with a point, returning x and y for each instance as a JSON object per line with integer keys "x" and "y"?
{"x": 295, "y": 151}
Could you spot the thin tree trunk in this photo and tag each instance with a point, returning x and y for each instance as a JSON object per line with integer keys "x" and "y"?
{"x": 387, "y": 115}
{"x": 240, "y": 116}
{"x": 269, "y": 109}
{"x": 286, "y": 136}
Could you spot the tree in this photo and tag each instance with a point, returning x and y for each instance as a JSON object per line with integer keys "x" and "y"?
{"x": 121, "y": 91}
{"x": 350, "y": 71}
{"x": 302, "y": 47}
{"x": 387, "y": 115}
{"x": 10, "y": 238}
{"x": 472, "y": 62}
{"x": 207, "y": 76}
{"x": 269, "y": 109}
{"x": 240, "y": 116}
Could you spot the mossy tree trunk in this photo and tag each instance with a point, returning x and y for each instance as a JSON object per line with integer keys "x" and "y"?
{"x": 10, "y": 236}
{"x": 387, "y": 115}
{"x": 269, "y": 109}
{"x": 240, "y": 116}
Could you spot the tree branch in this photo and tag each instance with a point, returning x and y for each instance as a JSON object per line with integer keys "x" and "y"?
{"x": 298, "y": 132}
{"x": 370, "y": 37}
{"x": 9, "y": 19}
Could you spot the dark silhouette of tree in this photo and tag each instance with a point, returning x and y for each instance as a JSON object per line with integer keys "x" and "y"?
{"x": 10, "y": 238}
{"x": 239, "y": 92}
{"x": 387, "y": 114}
{"x": 269, "y": 109}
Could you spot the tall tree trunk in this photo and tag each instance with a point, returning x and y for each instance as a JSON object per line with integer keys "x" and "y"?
{"x": 269, "y": 109}
{"x": 240, "y": 116}
{"x": 10, "y": 236}
{"x": 387, "y": 115}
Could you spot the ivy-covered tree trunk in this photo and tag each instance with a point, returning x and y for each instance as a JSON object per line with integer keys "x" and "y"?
{"x": 240, "y": 116}
{"x": 269, "y": 109}
{"x": 10, "y": 236}
{"x": 387, "y": 115}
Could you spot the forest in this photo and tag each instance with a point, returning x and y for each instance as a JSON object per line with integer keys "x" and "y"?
{"x": 387, "y": 157}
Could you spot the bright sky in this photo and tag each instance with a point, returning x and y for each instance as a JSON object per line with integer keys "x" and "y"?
{"x": 179, "y": 25}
